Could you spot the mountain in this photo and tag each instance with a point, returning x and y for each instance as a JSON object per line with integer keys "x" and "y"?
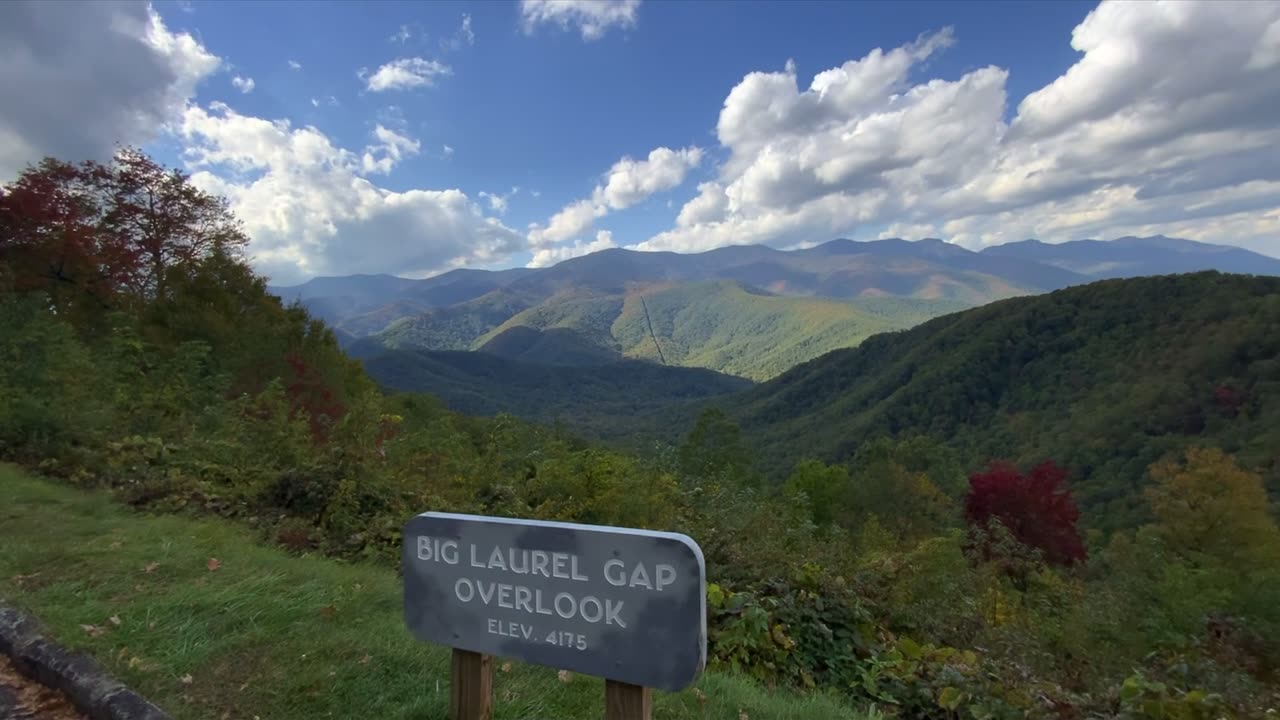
{"x": 338, "y": 299}
{"x": 841, "y": 269}
{"x": 928, "y": 269}
{"x": 749, "y": 310}
{"x": 554, "y": 346}
{"x": 1104, "y": 378}
{"x": 1133, "y": 256}
{"x": 605, "y": 401}
{"x": 717, "y": 325}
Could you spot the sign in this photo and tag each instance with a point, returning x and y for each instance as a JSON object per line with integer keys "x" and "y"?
{"x": 628, "y": 605}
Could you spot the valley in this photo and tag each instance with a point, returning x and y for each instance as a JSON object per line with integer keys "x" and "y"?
{"x": 919, "y": 476}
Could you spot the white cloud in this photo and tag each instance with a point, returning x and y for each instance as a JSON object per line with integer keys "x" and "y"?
{"x": 627, "y": 183}
{"x": 630, "y": 181}
{"x": 405, "y": 73}
{"x": 295, "y": 65}
{"x": 243, "y": 84}
{"x": 390, "y": 149}
{"x": 447, "y": 150}
{"x": 550, "y": 256}
{"x": 401, "y": 36}
{"x": 310, "y": 211}
{"x": 497, "y": 202}
{"x": 710, "y": 205}
{"x": 1139, "y": 135}
{"x": 592, "y": 18}
{"x": 89, "y": 76}
{"x": 462, "y": 37}
{"x": 573, "y": 220}
{"x": 465, "y": 31}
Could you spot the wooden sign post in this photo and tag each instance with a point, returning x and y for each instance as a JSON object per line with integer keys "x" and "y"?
{"x": 627, "y": 605}
{"x": 627, "y": 702}
{"x": 471, "y": 686}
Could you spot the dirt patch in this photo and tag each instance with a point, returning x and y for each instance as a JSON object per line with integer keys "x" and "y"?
{"x": 22, "y": 698}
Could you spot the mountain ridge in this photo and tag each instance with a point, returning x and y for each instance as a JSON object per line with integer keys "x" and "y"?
{"x": 594, "y": 295}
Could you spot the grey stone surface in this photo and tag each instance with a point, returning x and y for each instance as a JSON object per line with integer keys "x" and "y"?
{"x": 619, "y": 603}
{"x": 89, "y": 687}
{"x": 125, "y": 704}
{"x": 16, "y": 628}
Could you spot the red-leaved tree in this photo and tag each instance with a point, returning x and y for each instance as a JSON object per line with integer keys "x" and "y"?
{"x": 1035, "y": 508}
{"x": 104, "y": 235}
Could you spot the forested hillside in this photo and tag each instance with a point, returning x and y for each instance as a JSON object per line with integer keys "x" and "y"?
{"x": 1105, "y": 379}
{"x": 725, "y": 326}
{"x": 943, "y": 568}
{"x": 722, "y": 326}
{"x": 599, "y": 400}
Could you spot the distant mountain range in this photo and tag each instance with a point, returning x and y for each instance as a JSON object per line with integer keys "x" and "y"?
{"x": 748, "y": 310}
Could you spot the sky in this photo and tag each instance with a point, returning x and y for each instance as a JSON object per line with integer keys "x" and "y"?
{"x": 413, "y": 138}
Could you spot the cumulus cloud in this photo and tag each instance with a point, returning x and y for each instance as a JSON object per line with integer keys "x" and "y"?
{"x": 391, "y": 148}
{"x": 627, "y": 183}
{"x": 573, "y": 220}
{"x": 120, "y": 75}
{"x": 630, "y": 181}
{"x": 592, "y": 18}
{"x": 1142, "y": 134}
{"x": 550, "y": 256}
{"x": 243, "y": 84}
{"x": 295, "y": 65}
{"x": 405, "y": 73}
{"x": 310, "y": 211}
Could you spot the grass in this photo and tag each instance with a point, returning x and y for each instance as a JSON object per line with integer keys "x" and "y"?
{"x": 269, "y": 635}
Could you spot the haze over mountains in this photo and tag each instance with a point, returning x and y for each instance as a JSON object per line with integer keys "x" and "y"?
{"x": 564, "y": 342}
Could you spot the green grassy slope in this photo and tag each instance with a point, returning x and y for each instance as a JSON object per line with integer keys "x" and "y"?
{"x": 1103, "y": 378}
{"x": 271, "y": 635}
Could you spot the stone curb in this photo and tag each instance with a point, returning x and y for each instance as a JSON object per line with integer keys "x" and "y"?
{"x": 91, "y": 689}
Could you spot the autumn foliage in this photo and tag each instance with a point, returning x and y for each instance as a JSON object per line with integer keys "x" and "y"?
{"x": 97, "y": 237}
{"x": 1035, "y": 508}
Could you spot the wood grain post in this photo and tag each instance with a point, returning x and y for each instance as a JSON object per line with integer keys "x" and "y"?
{"x": 471, "y": 687}
{"x": 623, "y": 701}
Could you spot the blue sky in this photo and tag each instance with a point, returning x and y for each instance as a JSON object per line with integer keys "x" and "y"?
{"x": 415, "y": 137}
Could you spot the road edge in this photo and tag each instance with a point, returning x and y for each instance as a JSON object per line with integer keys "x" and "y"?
{"x": 89, "y": 687}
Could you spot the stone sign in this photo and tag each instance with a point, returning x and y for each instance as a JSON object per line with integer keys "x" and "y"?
{"x": 628, "y": 605}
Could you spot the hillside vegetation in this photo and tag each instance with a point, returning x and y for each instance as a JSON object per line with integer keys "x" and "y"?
{"x": 145, "y": 362}
{"x": 1105, "y": 378}
{"x": 751, "y": 311}
{"x": 606, "y": 401}
{"x": 720, "y": 326}
{"x": 265, "y": 633}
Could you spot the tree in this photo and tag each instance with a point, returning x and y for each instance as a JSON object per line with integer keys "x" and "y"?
{"x": 1208, "y": 505}
{"x": 166, "y": 220}
{"x": 821, "y": 484}
{"x": 908, "y": 504}
{"x": 51, "y": 244}
{"x": 1035, "y": 509}
{"x": 714, "y": 450}
{"x": 88, "y": 233}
